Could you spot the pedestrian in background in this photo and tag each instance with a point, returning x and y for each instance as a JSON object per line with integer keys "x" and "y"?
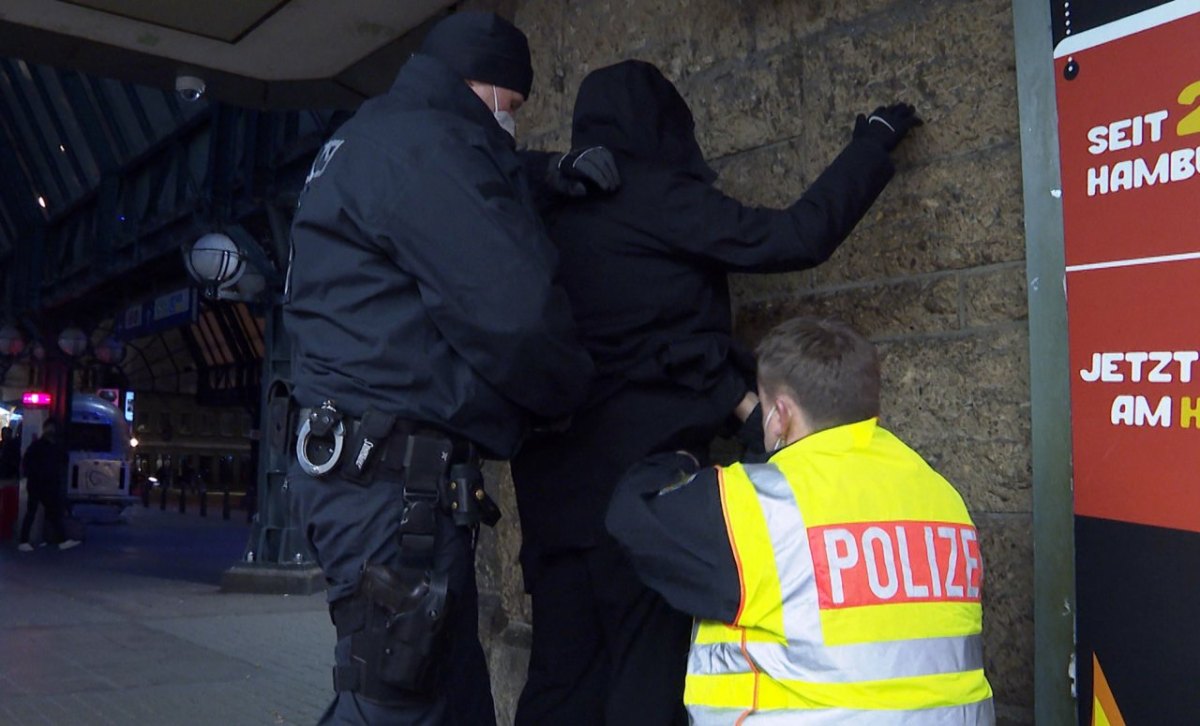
{"x": 45, "y": 465}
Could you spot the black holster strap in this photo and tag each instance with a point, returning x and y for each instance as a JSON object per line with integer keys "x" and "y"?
{"x": 426, "y": 461}
{"x": 418, "y": 533}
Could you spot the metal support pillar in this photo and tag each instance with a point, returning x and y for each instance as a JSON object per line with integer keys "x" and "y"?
{"x": 277, "y": 558}
{"x": 1053, "y": 504}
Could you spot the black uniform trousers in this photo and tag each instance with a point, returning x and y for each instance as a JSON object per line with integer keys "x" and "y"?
{"x": 607, "y": 650}
{"x": 348, "y": 525}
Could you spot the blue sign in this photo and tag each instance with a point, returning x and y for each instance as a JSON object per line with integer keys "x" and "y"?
{"x": 161, "y": 313}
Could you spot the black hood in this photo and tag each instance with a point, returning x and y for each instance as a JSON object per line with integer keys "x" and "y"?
{"x": 635, "y": 111}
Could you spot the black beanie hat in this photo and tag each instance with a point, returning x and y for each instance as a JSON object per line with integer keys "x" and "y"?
{"x": 482, "y": 47}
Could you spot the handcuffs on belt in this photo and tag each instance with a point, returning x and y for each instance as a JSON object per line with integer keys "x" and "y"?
{"x": 323, "y": 422}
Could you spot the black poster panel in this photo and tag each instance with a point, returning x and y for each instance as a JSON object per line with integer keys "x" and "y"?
{"x": 1088, "y": 14}
{"x": 1142, "y": 628}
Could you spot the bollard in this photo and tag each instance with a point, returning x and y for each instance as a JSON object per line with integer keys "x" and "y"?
{"x": 162, "y": 501}
{"x": 204, "y": 502}
{"x": 146, "y": 494}
{"x": 10, "y": 502}
{"x": 225, "y": 503}
{"x": 182, "y": 499}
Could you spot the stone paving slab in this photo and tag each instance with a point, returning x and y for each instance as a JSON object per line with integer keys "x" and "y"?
{"x": 130, "y": 629}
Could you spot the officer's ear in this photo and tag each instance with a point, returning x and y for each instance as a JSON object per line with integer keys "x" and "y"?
{"x": 788, "y": 423}
{"x": 801, "y": 422}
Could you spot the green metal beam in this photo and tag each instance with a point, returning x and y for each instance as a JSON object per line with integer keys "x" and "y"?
{"x": 52, "y": 184}
{"x": 59, "y": 128}
{"x": 1053, "y": 505}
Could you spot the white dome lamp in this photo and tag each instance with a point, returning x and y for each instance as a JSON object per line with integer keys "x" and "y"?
{"x": 215, "y": 262}
{"x": 73, "y": 342}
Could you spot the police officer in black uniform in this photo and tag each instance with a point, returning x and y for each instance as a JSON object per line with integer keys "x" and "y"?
{"x": 427, "y": 333}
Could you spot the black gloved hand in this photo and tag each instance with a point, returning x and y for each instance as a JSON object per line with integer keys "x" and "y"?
{"x": 887, "y": 124}
{"x": 576, "y": 170}
{"x": 751, "y": 437}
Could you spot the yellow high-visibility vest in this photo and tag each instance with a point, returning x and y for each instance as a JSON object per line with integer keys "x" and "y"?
{"x": 860, "y": 576}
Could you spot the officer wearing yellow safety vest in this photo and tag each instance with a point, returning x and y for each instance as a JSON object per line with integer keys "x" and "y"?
{"x": 837, "y": 583}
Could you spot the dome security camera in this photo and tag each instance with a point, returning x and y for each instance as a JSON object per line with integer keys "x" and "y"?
{"x": 189, "y": 88}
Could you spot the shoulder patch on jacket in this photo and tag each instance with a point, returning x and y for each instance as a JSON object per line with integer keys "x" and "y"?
{"x": 684, "y": 480}
{"x": 322, "y": 161}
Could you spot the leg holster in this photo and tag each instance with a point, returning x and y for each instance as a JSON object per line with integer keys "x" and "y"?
{"x": 394, "y": 623}
{"x": 395, "y": 619}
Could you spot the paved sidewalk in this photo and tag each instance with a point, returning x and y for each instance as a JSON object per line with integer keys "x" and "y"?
{"x": 130, "y": 628}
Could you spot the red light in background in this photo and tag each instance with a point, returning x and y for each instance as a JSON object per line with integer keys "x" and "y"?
{"x": 32, "y": 398}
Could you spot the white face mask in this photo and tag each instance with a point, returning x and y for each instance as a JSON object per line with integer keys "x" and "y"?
{"x": 504, "y": 118}
{"x": 766, "y": 424}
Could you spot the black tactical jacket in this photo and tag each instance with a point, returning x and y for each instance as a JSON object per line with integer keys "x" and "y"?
{"x": 422, "y": 281}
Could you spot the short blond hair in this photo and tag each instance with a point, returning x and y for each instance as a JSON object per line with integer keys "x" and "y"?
{"x": 828, "y": 367}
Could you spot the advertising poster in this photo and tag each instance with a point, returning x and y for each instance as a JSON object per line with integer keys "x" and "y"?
{"x": 1128, "y": 93}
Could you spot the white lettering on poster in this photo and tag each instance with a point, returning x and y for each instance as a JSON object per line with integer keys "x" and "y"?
{"x": 1167, "y": 167}
{"x": 1146, "y": 367}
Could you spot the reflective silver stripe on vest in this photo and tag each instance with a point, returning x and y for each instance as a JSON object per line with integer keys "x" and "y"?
{"x": 805, "y": 657}
{"x": 793, "y": 557}
{"x": 971, "y": 714}
{"x": 705, "y": 716}
{"x": 802, "y": 661}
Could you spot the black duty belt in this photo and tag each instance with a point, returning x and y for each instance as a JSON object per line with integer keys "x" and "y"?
{"x": 440, "y": 472}
{"x": 375, "y": 442}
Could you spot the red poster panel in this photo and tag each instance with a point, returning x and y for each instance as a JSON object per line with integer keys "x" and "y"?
{"x": 1129, "y": 135}
{"x": 1135, "y": 367}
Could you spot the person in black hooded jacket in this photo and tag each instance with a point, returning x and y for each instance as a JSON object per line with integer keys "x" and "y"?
{"x": 45, "y": 465}
{"x": 645, "y": 270}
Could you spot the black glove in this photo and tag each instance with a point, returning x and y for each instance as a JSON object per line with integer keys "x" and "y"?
{"x": 576, "y": 170}
{"x": 887, "y": 124}
{"x": 751, "y": 437}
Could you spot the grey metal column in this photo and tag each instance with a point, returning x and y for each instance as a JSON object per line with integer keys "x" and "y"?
{"x": 1053, "y": 505}
{"x": 277, "y": 558}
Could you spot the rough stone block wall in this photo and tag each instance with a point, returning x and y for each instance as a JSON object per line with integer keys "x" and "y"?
{"x": 934, "y": 274}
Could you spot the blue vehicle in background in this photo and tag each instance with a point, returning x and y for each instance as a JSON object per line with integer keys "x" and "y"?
{"x": 99, "y": 454}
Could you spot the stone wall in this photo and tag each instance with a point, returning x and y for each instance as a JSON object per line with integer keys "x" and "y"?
{"x": 934, "y": 274}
